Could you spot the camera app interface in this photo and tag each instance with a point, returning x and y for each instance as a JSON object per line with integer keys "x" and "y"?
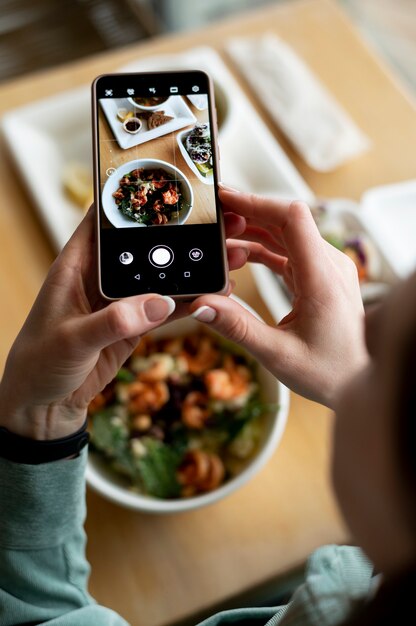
{"x": 158, "y": 205}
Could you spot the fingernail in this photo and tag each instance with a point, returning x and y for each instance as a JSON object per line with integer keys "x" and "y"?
{"x": 227, "y": 188}
{"x": 245, "y": 250}
{"x": 158, "y": 309}
{"x": 205, "y": 314}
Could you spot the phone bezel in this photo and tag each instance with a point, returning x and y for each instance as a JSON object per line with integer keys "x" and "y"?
{"x": 216, "y": 161}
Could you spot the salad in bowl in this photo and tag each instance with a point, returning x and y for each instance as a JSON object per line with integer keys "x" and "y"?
{"x": 188, "y": 419}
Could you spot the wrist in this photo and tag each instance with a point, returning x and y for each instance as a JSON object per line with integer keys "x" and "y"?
{"x": 39, "y": 422}
{"x": 331, "y": 394}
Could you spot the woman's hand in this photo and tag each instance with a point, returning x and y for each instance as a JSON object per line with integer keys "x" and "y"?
{"x": 72, "y": 344}
{"x": 319, "y": 344}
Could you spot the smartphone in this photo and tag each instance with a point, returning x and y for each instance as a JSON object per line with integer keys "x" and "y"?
{"x": 159, "y": 222}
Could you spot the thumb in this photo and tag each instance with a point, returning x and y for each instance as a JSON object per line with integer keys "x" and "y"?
{"x": 124, "y": 319}
{"x": 236, "y": 323}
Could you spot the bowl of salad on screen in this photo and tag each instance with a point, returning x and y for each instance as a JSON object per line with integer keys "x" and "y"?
{"x": 196, "y": 149}
{"x": 188, "y": 419}
{"x": 147, "y": 192}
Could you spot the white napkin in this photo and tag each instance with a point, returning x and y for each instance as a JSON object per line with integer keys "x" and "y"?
{"x": 314, "y": 122}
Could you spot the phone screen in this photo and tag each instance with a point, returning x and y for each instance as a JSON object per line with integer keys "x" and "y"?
{"x": 160, "y": 227}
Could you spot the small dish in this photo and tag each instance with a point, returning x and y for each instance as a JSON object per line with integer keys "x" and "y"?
{"x": 181, "y": 137}
{"x": 132, "y": 125}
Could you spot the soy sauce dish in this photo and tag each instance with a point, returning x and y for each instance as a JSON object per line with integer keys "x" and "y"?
{"x": 187, "y": 421}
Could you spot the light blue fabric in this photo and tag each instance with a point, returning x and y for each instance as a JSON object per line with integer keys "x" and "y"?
{"x": 44, "y": 572}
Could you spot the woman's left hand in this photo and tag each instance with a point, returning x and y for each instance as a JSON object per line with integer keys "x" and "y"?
{"x": 72, "y": 344}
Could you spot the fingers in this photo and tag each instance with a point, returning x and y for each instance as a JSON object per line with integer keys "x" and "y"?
{"x": 253, "y": 252}
{"x": 251, "y": 206}
{"x": 237, "y": 324}
{"x": 264, "y": 237}
{"x": 237, "y": 255}
{"x": 124, "y": 319}
{"x": 297, "y": 229}
{"x": 234, "y": 224}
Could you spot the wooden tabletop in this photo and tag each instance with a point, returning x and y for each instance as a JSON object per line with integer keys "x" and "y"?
{"x": 155, "y": 570}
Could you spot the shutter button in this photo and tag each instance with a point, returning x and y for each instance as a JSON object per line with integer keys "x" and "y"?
{"x": 161, "y": 256}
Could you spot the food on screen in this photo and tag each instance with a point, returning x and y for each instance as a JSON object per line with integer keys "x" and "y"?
{"x": 149, "y": 196}
{"x": 198, "y": 146}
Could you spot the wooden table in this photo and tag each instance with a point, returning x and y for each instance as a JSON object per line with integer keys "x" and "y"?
{"x": 155, "y": 570}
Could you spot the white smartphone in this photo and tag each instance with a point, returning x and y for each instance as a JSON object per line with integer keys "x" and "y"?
{"x": 159, "y": 220}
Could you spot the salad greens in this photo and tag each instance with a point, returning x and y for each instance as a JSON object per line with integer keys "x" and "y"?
{"x": 180, "y": 415}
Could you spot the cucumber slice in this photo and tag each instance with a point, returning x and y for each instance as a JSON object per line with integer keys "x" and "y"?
{"x": 204, "y": 168}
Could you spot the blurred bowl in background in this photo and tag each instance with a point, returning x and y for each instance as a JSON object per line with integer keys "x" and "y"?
{"x": 113, "y": 486}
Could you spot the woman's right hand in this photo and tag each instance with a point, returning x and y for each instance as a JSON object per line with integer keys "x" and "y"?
{"x": 319, "y": 345}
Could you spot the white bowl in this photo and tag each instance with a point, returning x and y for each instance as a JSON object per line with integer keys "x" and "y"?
{"x": 142, "y": 107}
{"x": 102, "y": 479}
{"x": 112, "y": 184}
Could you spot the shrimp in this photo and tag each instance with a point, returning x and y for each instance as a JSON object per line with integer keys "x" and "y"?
{"x": 160, "y": 218}
{"x": 200, "y": 472}
{"x": 205, "y": 357}
{"x": 195, "y": 411}
{"x": 229, "y": 382}
{"x": 160, "y": 366}
{"x": 147, "y": 397}
{"x": 171, "y": 196}
{"x": 136, "y": 174}
{"x": 158, "y": 205}
{"x": 118, "y": 195}
{"x": 159, "y": 179}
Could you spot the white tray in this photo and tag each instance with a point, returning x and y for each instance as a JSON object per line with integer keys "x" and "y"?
{"x": 46, "y": 134}
{"x": 174, "y": 107}
{"x": 180, "y": 137}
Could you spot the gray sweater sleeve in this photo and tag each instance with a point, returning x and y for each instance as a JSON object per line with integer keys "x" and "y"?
{"x": 43, "y": 569}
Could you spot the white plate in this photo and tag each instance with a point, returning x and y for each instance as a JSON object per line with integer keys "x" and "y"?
{"x": 45, "y": 135}
{"x": 175, "y": 107}
{"x": 208, "y": 180}
{"x": 112, "y": 184}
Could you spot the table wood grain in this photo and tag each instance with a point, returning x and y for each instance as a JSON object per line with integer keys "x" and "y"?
{"x": 155, "y": 570}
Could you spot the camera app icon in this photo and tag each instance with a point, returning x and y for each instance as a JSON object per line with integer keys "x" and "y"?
{"x": 126, "y": 258}
{"x": 196, "y": 254}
